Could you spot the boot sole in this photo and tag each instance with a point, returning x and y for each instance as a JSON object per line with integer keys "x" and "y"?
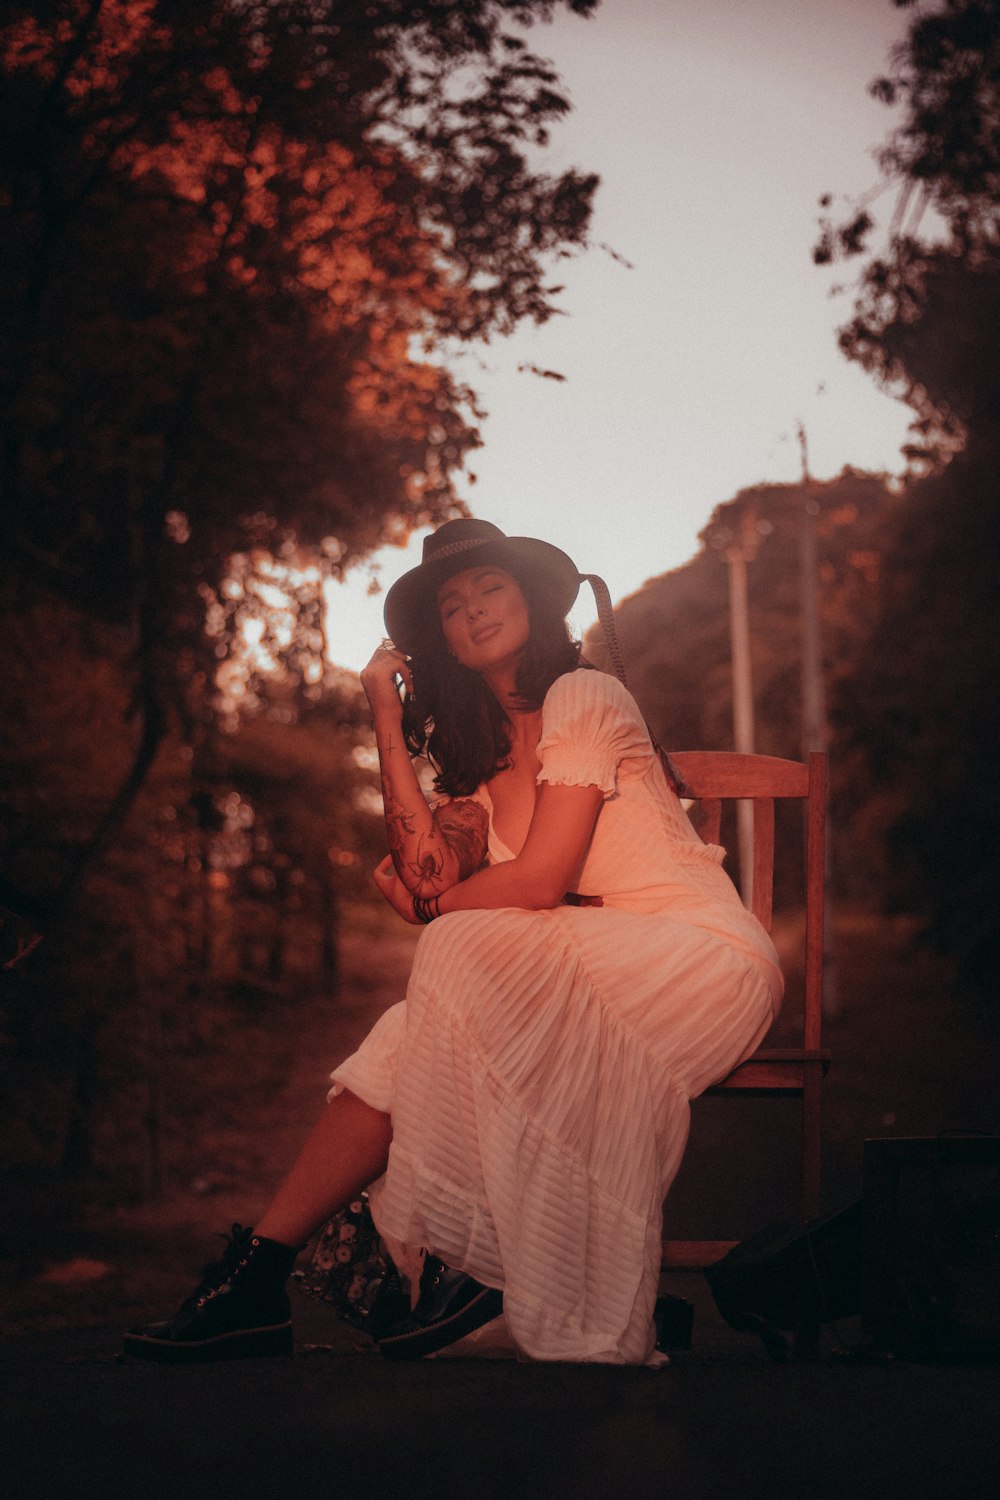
{"x": 244, "y": 1343}
{"x": 421, "y": 1341}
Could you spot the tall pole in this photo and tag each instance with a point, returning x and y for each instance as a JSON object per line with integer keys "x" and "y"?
{"x": 813, "y": 704}
{"x": 742, "y": 549}
{"x": 813, "y": 692}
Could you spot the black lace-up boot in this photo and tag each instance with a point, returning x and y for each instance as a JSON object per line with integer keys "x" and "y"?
{"x": 239, "y": 1310}
{"x": 451, "y": 1305}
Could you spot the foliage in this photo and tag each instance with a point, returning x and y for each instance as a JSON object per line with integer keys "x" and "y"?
{"x": 240, "y": 241}
{"x": 918, "y": 713}
{"x": 220, "y": 902}
{"x": 234, "y": 237}
{"x": 916, "y": 322}
{"x": 675, "y": 637}
{"x": 926, "y": 323}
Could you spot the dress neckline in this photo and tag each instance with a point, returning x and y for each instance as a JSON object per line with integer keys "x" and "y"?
{"x": 495, "y": 841}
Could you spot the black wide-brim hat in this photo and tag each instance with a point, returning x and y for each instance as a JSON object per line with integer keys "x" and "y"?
{"x": 411, "y": 603}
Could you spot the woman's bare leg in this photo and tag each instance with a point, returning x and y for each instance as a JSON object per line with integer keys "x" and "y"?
{"x": 347, "y": 1149}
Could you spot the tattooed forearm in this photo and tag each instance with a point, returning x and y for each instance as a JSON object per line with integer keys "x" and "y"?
{"x": 431, "y": 851}
{"x": 420, "y": 856}
{"x": 464, "y": 826}
{"x": 399, "y": 826}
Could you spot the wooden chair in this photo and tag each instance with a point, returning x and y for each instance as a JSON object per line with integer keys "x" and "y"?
{"x": 712, "y": 777}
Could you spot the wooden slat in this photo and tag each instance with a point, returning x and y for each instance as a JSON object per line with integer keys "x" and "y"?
{"x": 726, "y": 773}
{"x": 790, "y": 1054}
{"x": 753, "y": 1078}
{"x": 710, "y": 820}
{"x": 693, "y": 1255}
{"x": 763, "y": 860}
{"x": 774, "y": 1072}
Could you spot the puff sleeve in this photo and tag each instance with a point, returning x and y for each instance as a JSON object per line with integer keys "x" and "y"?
{"x": 590, "y": 726}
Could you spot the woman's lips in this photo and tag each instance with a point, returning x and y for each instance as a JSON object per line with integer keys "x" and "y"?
{"x": 478, "y": 636}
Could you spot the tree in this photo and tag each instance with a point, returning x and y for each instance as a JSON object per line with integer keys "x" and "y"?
{"x": 676, "y": 641}
{"x": 926, "y": 324}
{"x": 234, "y": 235}
{"x": 240, "y": 240}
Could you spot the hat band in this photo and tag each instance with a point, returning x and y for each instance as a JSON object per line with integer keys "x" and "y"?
{"x": 453, "y": 547}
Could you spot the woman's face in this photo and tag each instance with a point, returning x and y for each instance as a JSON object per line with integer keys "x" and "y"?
{"x": 484, "y": 617}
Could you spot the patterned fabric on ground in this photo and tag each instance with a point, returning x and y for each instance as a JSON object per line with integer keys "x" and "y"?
{"x": 539, "y": 1071}
{"x": 349, "y": 1266}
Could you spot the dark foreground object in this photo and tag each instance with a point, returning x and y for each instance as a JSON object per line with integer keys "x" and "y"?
{"x": 674, "y": 1319}
{"x": 932, "y": 1247}
{"x": 791, "y": 1280}
{"x": 918, "y": 1257}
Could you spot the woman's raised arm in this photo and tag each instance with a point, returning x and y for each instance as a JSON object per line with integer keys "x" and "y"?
{"x": 430, "y": 851}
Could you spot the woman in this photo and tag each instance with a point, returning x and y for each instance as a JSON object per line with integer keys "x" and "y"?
{"x": 587, "y": 969}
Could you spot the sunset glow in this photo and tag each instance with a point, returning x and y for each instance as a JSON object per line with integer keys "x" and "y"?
{"x": 715, "y": 129}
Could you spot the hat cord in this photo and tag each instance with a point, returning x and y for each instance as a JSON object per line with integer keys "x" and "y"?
{"x": 606, "y": 615}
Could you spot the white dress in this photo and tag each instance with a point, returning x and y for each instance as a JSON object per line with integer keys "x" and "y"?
{"x": 540, "y": 1069}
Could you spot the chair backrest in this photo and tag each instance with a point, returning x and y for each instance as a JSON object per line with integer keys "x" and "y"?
{"x": 715, "y": 776}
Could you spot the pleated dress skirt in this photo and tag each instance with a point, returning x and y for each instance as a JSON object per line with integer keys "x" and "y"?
{"x": 538, "y": 1076}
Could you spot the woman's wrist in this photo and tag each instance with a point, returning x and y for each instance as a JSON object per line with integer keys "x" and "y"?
{"x": 385, "y": 705}
{"x": 445, "y": 900}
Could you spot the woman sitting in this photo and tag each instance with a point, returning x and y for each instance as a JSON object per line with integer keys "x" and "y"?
{"x": 587, "y": 969}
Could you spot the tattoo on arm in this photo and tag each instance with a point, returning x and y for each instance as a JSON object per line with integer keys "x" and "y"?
{"x": 398, "y": 826}
{"x": 464, "y": 826}
{"x": 426, "y": 869}
{"x": 460, "y": 828}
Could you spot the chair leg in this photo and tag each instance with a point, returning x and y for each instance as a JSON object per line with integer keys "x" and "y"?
{"x": 805, "y": 1343}
{"x": 811, "y": 1142}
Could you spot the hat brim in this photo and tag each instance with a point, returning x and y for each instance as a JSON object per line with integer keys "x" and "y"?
{"x": 411, "y": 603}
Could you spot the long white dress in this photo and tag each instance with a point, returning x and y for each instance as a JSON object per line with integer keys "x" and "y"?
{"x": 540, "y": 1069}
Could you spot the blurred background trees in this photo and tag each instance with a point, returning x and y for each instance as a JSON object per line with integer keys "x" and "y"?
{"x": 236, "y": 239}
{"x": 676, "y": 639}
{"x": 908, "y": 578}
{"x": 921, "y": 703}
{"x": 239, "y": 241}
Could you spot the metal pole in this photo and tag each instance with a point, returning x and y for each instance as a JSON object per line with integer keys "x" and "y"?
{"x": 738, "y": 555}
{"x": 813, "y": 706}
{"x": 813, "y": 693}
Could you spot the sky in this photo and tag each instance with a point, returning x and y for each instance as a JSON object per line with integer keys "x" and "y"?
{"x": 715, "y": 126}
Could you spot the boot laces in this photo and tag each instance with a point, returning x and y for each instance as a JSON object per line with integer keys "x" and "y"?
{"x": 218, "y": 1272}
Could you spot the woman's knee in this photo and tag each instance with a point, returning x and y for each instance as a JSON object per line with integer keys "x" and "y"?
{"x": 449, "y": 944}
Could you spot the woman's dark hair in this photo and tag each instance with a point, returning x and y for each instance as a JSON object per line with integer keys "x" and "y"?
{"x": 452, "y": 716}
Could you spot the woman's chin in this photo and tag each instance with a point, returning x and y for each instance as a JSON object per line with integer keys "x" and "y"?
{"x": 493, "y": 658}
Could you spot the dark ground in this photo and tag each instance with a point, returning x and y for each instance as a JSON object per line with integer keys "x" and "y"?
{"x": 722, "y": 1420}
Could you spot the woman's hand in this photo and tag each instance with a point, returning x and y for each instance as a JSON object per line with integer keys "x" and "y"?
{"x": 394, "y": 891}
{"x": 379, "y": 679}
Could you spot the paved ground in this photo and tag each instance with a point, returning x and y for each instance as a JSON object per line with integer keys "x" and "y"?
{"x": 336, "y": 1419}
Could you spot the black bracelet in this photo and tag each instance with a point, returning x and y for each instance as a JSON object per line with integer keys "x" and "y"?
{"x": 426, "y": 908}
